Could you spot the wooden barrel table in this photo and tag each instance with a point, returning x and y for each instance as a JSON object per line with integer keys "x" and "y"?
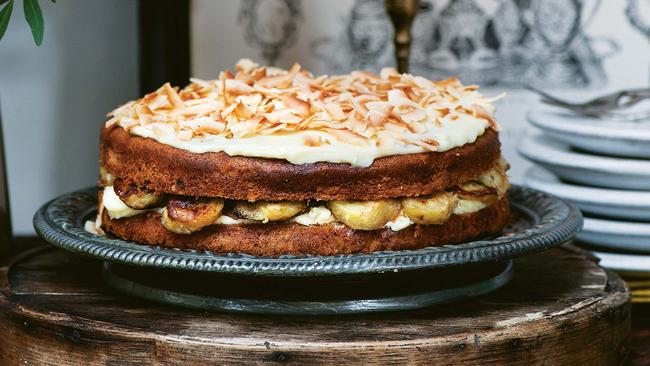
{"x": 560, "y": 308}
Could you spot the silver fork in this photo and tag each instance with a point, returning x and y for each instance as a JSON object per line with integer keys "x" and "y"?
{"x": 605, "y": 106}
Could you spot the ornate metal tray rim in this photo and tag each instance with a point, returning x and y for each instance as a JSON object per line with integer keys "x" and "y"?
{"x": 60, "y": 222}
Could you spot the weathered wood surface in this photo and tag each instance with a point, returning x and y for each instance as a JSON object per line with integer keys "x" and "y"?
{"x": 560, "y": 308}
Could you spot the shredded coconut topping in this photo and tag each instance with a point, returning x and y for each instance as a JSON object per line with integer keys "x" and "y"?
{"x": 356, "y": 108}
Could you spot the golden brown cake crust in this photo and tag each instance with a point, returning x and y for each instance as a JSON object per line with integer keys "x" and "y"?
{"x": 164, "y": 168}
{"x": 274, "y": 239}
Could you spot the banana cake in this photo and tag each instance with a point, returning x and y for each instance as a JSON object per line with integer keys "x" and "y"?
{"x": 267, "y": 161}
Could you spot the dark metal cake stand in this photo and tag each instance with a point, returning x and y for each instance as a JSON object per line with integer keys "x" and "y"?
{"x": 381, "y": 281}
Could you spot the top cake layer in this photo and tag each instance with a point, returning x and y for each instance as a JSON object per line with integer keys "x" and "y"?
{"x": 292, "y": 115}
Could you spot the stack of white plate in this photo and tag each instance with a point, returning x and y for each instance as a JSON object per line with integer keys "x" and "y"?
{"x": 604, "y": 168}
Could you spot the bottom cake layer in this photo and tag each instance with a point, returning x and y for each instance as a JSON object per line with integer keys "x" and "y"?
{"x": 273, "y": 239}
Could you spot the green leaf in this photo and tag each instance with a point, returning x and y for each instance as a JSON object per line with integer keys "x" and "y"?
{"x": 5, "y": 15}
{"x": 34, "y": 17}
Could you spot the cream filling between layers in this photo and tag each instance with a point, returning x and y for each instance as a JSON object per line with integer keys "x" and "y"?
{"x": 116, "y": 208}
{"x": 294, "y": 146}
{"x": 319, "y": 215}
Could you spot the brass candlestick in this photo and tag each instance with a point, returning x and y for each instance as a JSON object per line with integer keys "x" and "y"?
{"x": 402, "y": 13}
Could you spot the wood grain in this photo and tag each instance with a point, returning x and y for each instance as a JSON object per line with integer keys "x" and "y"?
{"x": 560, "y": 308}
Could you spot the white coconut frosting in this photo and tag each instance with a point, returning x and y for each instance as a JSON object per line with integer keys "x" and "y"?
{"x": 292, "y": 115}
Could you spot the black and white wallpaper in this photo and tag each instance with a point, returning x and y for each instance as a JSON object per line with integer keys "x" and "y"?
{"x": 270, "y": 25}
{"x": 491, "y": 42}
{"x": 638, "y": 13}
{"x": 512, "y": 42}
{"x": 363, "y": 40}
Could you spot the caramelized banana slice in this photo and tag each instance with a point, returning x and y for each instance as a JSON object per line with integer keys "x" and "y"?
{"x": 468, "y": 206}
{"x": 502, "y": 164}
{"x": 496, "y": 177}
{"x": 430, "y": 210}
{"x": 269, "y": 211}
{"x": 105, "y": 178}
{"x": 137, "y": 198}
{"x": 475, "y": 191}
{"x": 365, "y": 215}
{"x": 185, "y": 216}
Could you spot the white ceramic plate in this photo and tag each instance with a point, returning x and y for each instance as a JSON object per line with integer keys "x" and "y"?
{"x": 593, "y": 134}
{"x": 630, "y": 205}
{"x": 618, "y": 235}
{"x": 633, "y": 264}
{"x": 592, "y": 170}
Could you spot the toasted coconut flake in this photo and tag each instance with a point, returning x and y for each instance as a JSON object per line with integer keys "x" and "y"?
{"x": 245, "y": 65}
{"x": 321, "y": 124}
{"x": 225, "y": 75}
{"x": 358, "y": 104}
{"x": 386, "y": 72}
{"x": 243, "y": 111}
{"x": 158, "y": 101}
{"x": 144, "y": 114}
{"x": 292, "y": 102}
{"x": 252, "y": 101}
{"x": 431, "y": 145}
{"x": 128, "y": 123}
{"x": 228, "y": 111}
{"x": 273, "y": 92}
{"x": 425, "y": 84}
{"x": 112, "y": 121}
{"x": 259, "y": 73}
{"x": 237, "y": 87}
{"x": 280, "y": 81}
{"x": 359, "y": 125}
{"x": 335, "y": 111}
{"x": 399, "y": 136}
{"x": 204, "y": 108}
{"x": 378, "y": 112}
{"x": 173, "y": 97}
{"x": 282, "y": 116}
{"x": 295, "y": 68}
{"x": 244, "y": 78}
{"x": 348, "y": 137}
{"x": 398, "y": 98}
{"x": 272, "y": 71}
{"x": 201, "y": 82}
{"x": 241, "y": 129}
{"x": 361, "y": 87}
{"x": 481, "y": 112}
{"x": 495, "y": 98}
{"x": 272, "y": 130}
{"x": 412, "y": 116}
{"x": 203, "y": 125}
{"x": 124, "y": 108}
{"x": 454, "y": 82}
